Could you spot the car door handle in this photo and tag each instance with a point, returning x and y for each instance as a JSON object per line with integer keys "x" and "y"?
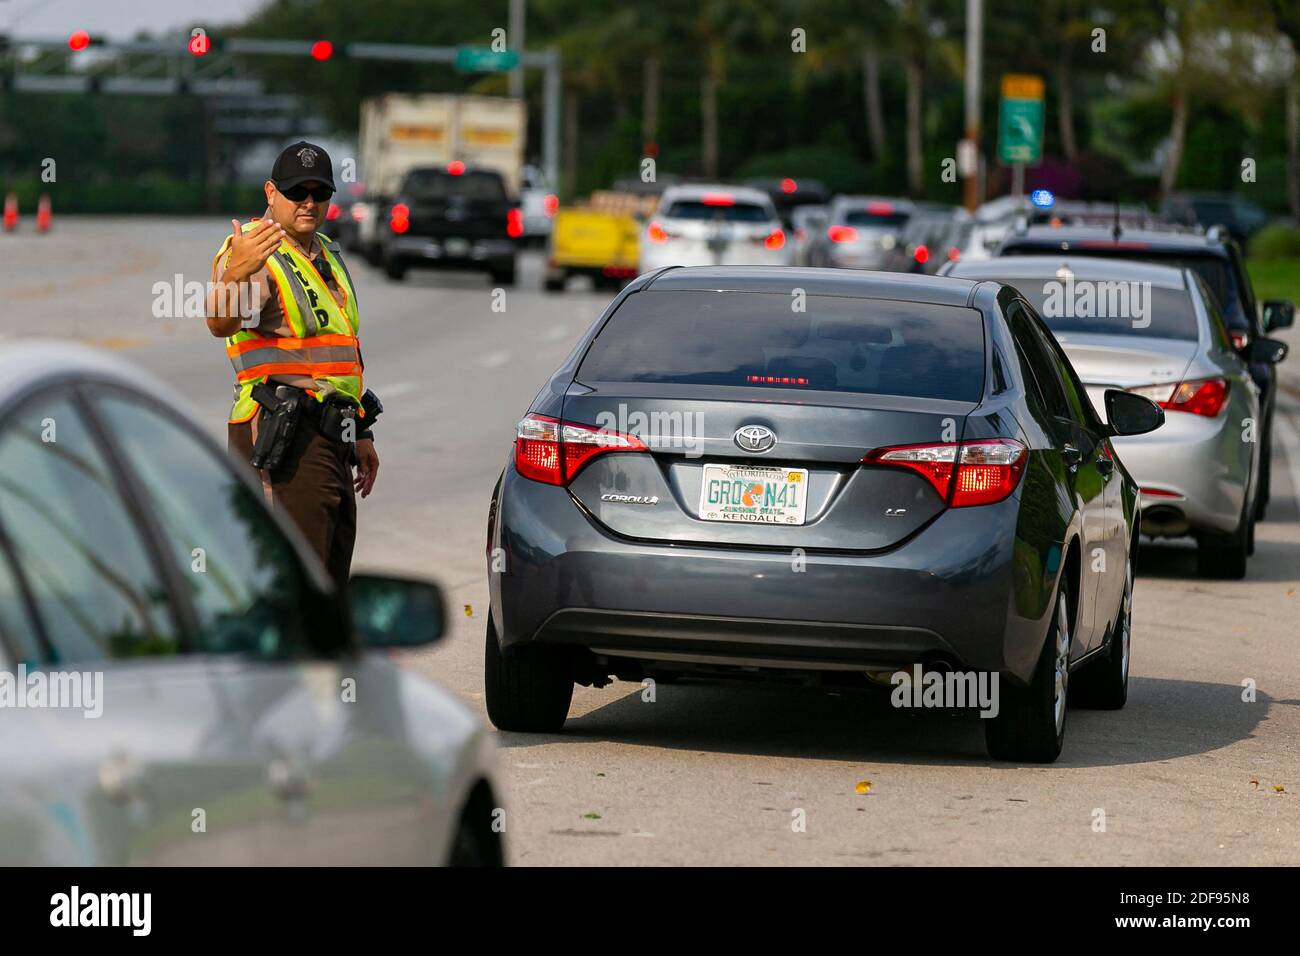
{"x": 1105, "y": 466}
{"x": 1071, "y": 456}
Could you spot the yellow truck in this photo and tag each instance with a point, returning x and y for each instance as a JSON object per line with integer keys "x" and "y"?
{"x": 598, "y": 239}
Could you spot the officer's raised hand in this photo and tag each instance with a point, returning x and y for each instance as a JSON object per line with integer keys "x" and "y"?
{"x": 250, "y": 250}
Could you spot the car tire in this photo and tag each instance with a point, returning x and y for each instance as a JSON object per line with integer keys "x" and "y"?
{"x": 1265, "y": 476}
{"x": 528, "y": 688}
{"x": 1103, "y": 684}
{"x": 555, "y": 284}
{"x": 1030, "y": 724}
{"x": 1224, "y": 556}
{"x": 395, "y": 269}
{"x": 504, "y": 276}
{"x": 466, "y": 849}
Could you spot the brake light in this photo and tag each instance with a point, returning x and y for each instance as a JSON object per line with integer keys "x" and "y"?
{"x": 333, "y": 211}
{"x": 776, "y": 380}
{"x": 550, "y": 204}
{"x": 1108, "y": 244}
{"x": 880, "y": 208}
{"x": 1204, "y": 397}
{"x": 399, "y": 219}
{"x": 553, "y": 452}
{"x": 655, "y": 233}
{"x": 921, "y": 255}
{"x": 954, "y": 254}
{"x": 718, "y": 199}
{"x": 963, "y": 473}
{"x": 359, "y": 212}
{"x": 842, "y": 234}
{"x": 774, "y": 240}
{"x": 455, "y": 167}
{"x": 515, "y": 223}
{"x": 1239, "y": 339}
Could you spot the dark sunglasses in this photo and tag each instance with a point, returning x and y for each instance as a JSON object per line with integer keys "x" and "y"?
{"x": 300, "y": 192}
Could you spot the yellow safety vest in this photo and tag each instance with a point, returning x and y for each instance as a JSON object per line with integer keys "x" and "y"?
{"x": 324, "y": 340}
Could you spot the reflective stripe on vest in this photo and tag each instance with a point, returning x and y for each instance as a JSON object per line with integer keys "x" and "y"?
{"x": 319, "y": 356}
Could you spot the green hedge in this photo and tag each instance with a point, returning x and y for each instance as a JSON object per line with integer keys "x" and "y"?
{"x": 1276, "y": 242}
{"x": 149, "y": 193}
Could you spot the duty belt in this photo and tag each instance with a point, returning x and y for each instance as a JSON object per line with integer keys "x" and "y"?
{"x": 284, "y": 407}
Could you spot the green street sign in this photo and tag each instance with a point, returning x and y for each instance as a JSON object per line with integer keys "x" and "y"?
{"x": 482, "y": 59}
{"x": 1020, "y": 120}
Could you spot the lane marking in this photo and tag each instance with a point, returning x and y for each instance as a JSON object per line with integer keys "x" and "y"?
{"x": 399, "y": 388}
{"x": 1291, "y": 443}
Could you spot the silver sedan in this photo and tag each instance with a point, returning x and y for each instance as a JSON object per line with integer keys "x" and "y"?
{"x": 1155, "y": 330}
{"x": 179, "y": 681}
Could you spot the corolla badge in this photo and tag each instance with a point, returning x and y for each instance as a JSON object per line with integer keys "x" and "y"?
{"x": 755, "y": 438}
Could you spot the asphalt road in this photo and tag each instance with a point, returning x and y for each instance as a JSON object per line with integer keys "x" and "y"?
{"x": 1185, "y": 774}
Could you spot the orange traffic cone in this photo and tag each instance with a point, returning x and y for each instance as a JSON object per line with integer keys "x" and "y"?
{"x": 43, "y": 213}
{"x": 11, "y": 212}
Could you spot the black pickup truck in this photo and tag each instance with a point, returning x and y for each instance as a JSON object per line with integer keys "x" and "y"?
{"x": 451, "y": 217}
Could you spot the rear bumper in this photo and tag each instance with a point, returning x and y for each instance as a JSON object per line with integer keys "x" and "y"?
{"x": 537, "y": 225}
{"x": 421, "y": 250}
{"x": 946, "y": 592}
{"x": 1201, "y": 465}
{"x": 855, "y": 257}
{"x": 654, "y": 256}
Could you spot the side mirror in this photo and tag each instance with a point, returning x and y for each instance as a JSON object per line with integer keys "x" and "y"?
{"x": 395, "y": 612}
{"x": 1130, "y": 414}
{"x": 1278, "y": 314}
{"x": 1270, "y": 351}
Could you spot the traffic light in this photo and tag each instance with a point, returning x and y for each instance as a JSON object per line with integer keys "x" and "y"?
{"x": 79, "y": 40}
{"x": 199, "y": 44}
{"x": 322, "y": 50}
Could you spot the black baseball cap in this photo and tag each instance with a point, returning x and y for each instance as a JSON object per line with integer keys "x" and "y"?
{"x": 300, "y": 163}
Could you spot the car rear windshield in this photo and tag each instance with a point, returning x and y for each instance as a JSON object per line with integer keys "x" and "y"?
{"x": 759, "y": 339}
{"x": 727, "y": 212}
{"x": 439, "y": 184}
{"x": 1110, "y": 308}
{"x": 1214, "y": 270}
{"x": 883, "y": 220}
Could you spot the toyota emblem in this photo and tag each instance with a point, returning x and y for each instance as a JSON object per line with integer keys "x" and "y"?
{"x": 755, "y": 438}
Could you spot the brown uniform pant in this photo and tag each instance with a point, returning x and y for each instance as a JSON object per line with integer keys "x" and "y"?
{"x": 313, "y": 484}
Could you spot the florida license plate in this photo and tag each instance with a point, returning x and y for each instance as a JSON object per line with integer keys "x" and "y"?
{"x": 761, "y": 494}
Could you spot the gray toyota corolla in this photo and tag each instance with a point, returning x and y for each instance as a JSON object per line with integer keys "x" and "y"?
{"x": 842, "y": 475}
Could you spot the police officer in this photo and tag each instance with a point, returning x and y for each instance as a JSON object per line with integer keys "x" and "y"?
{"x": 284, "y": 302}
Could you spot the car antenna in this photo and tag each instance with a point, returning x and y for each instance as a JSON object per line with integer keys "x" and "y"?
{"x": 1115, "y": 232}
